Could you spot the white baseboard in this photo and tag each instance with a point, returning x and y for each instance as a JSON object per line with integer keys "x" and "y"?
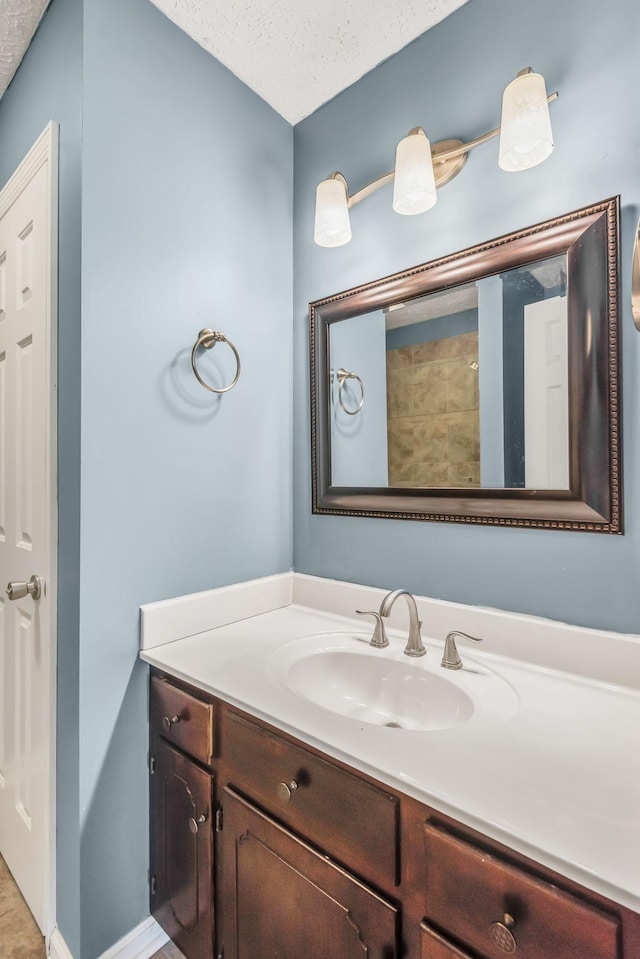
{"x": 141, "y": 943}
{"x": 58, "y": 949}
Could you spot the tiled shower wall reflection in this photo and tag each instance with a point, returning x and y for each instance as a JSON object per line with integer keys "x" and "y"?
{"x": 432, "y": 413}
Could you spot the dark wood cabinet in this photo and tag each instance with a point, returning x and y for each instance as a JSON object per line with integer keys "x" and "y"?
{"x": 284, "y": 900}
{"x": 495, "y": 907}
{"x": 434, "y": 946}
{"x": 182, "y": 719}
{"x": 182, "y": 850}
{"x": 313, "y": 859}
{"x": 356, "y": 822}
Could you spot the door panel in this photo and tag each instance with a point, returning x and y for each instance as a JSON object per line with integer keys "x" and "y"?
{"x": 546, "y": 394}
{"x": 26, "y": 250}
{"x": 23, "y": 433}
{"x": 3, "y": 440}
{"x": 283, "y": 900}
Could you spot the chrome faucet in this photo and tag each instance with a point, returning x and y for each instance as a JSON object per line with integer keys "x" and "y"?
{"x": 379, "y": 639}
{"x": 451, "y": 657}
{"x": 414, "y": 645}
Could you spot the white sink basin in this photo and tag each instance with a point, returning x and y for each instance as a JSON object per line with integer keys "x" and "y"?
{"x": 380, "y": 691}
{"x": 342, "y": 673}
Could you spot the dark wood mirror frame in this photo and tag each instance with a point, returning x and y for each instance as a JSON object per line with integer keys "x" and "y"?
{"x": 593, "y": 503}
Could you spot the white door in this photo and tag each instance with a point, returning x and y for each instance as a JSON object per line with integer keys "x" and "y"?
{"x": 546, "y": 396}
{"x": 27, "y": 522}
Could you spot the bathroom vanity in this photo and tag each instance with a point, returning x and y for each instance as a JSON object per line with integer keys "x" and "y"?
{"x": 265, "y": 844}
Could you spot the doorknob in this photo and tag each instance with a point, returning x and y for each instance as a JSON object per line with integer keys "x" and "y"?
{"x": 18, "y": 590}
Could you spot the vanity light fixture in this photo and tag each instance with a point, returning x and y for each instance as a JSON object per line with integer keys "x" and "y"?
{"x": 332, "y": 227}
{"x": 525, "y": 140}
{"x": 414, "y": 183}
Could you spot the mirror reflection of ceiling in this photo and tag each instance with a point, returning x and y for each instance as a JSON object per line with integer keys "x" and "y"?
{"x": 18, "y": 23}
{"x": 549, "y": 273}
{"x": 433, "y": 306}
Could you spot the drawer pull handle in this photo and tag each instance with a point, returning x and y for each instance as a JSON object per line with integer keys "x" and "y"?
{"x": 194, "y": 824}
{"x": 500, "y": 933}
{"x": 285, "y": 792}
{"x": 169, "y": 721}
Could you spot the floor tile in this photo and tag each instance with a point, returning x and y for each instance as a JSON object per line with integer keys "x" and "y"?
{"x": 20, "y": 937}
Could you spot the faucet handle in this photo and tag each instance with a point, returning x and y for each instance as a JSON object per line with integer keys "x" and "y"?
{"x": 379, "y": 638}
{"x": 451, "y": 658}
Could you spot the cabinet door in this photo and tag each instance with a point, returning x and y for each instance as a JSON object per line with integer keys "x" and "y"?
{"x": 182, "y": 851}
{"x": 283, "y": 900}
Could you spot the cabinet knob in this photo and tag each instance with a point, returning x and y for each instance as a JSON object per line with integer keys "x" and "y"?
{"x": 500, "y": 933}
{"x": 285, "y": 792}
{"x": 194, "y": 824}
{"x": 169, "y": 721}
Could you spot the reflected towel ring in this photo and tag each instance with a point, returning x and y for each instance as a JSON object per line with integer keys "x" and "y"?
{"x": 208, "y": 339}
{"x": 343, "y": 376}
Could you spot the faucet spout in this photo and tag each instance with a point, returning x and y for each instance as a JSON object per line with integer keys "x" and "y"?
{"x": 414, "y": 645}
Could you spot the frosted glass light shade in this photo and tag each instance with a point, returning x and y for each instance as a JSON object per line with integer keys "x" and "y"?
{"x": 525, "y": 138}
{"x": 332, "y": 226}
{"x": 414, "y": 186}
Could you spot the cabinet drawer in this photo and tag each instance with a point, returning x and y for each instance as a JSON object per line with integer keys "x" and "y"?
{"x": 182, "y": 719}
{"x": 354, "y": 822}
{"x": 433, "y": 946}
{"x": 496, "y": 908}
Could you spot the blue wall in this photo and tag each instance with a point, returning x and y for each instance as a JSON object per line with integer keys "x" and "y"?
{"x": 187, "y": 223}
{"x": 48, "y": 86}
{"x": 439, "y": 328}
{"x": 450, "y": 81}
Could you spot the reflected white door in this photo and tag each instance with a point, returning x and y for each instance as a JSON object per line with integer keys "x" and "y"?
{"x": 27, "y": 285}
{"x": 546, "y": 397}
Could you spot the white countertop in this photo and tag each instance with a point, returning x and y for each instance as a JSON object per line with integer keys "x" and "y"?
{"x": 558, "y": 781}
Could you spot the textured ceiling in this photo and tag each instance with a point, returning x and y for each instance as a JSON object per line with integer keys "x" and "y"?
{"x": 18, "y": 22}
{"x": 297, "y": 54}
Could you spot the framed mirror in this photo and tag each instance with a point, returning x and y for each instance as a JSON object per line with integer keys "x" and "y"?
{"x": 478, "y": 388}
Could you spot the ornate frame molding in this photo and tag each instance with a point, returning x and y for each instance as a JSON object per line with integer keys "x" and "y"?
{"x": 593, "y": 503}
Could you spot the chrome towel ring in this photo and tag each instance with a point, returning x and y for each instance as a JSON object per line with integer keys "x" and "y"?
{"x": 343, "y": 375}
{"x": 208, "y": 339}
